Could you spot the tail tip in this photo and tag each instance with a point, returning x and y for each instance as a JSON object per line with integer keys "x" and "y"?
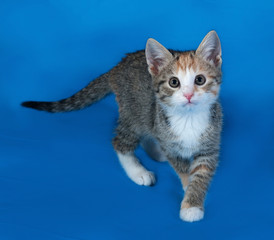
{"x": 34, "y": 105}
{"x": 30, "y": 104}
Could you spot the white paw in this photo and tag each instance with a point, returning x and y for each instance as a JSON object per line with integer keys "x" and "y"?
{"x": 135, "y": 170}
{"x": 144, "y": 177}
{"x": 191, "y": 214}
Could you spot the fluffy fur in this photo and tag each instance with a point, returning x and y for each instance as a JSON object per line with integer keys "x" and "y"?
{"x": 168, "y": 102}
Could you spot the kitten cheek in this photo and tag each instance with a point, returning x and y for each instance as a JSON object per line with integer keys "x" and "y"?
{"x": 215, "y": 93}
{"x": 199, "y": 94}
{"x": 215, "y": 90}
{"x": 179, "y": 99}
{"x": 203, "y": 97}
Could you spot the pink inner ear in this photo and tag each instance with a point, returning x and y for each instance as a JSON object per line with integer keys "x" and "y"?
{"x": 155, "y": 65}
{"x": 217, "y": 61}
{"x": 153, "y": 70}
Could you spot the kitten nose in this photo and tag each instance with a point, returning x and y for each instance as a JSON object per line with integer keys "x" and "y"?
{"x": 188, "y": 96}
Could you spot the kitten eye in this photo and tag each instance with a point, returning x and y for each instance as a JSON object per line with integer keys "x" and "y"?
{"x": 200, "y": 80}
{"x": 174, "y": 82}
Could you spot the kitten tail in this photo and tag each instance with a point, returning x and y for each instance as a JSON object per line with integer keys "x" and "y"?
{"x": 93, "y": 92}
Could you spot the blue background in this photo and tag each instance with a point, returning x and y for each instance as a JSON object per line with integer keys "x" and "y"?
{"x": 59, "y": 176}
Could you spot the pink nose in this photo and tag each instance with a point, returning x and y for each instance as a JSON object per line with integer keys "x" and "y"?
{"x": 188, "y": 96}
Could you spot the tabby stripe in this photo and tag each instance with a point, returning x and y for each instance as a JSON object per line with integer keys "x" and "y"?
{"x": 159, "y": 84}
{"x": 163, "y": 97}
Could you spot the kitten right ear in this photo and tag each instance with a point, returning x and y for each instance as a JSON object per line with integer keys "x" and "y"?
{"x": 210, "y": 49}
{"x": 157, "y": 56}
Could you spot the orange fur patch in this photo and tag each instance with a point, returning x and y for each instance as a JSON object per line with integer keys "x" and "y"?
{"x": 185, "y": 205}
{"x": 187, "y": 60}
{"x": 200, "y": 168}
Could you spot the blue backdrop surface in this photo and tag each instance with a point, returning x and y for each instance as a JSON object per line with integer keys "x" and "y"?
{"x": 59, "y": 176}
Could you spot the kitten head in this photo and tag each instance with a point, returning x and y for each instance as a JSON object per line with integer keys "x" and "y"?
{"x": 186, "y": 80}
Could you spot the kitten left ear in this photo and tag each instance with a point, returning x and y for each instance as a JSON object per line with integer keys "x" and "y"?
{"x": 210, "y": 49}
{"x": 157, "y": 56}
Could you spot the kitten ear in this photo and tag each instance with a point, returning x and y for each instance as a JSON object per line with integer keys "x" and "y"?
{"x": 157, "y": 56}
{"x": 210, "y": 49}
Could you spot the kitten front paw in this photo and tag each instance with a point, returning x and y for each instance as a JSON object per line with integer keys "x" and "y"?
{"x": 144, "y": 177}
{"x": 191, "y": 214}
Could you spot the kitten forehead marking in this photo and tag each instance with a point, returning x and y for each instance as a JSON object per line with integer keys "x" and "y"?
{"x": 187, "y": 60}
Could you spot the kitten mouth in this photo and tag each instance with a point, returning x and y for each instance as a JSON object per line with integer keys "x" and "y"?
{"x": 189, "y": 104}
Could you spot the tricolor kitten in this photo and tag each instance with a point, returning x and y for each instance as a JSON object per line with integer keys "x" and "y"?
{"x": 168, "y": 103}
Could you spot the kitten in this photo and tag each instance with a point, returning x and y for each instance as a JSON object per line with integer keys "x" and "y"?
{"x": 168, "y": 103}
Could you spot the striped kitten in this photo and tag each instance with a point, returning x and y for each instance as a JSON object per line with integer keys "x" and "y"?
{"x": 168, "y": 103}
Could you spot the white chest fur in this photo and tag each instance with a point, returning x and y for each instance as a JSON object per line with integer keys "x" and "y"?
{"x": 188, "y": 126}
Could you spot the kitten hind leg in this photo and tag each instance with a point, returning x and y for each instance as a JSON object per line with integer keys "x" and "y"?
{"x": 153, "y": 149}
{"x": 125, "y": 144}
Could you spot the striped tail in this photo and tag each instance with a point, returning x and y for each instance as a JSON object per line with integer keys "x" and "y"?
{"x": 93, "y": 92}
